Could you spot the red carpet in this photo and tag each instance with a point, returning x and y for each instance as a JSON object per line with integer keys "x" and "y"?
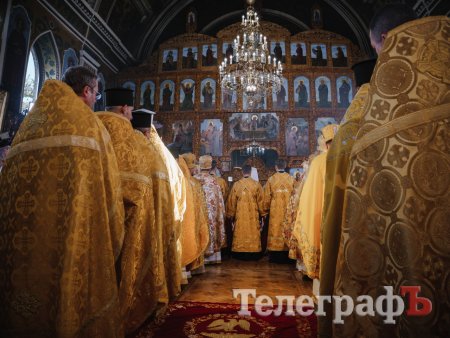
{"x": 216, "y": 320}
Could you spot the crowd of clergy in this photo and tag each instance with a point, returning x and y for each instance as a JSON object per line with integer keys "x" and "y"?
{"x": 101, "y": 225}
{"x": 121, "y": 218}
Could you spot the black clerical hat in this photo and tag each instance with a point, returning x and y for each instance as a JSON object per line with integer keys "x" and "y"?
{"x": 363, "y": 71}
{"x": 118, "y": 97}
{"x": 142, "y": 118}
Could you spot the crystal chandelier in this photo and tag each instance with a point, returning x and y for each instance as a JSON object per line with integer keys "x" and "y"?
{"x": 254, "y": 149}
{"x": 253, "y": 71}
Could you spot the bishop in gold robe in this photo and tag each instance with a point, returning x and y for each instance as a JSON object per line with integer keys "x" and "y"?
{"x": 62, "y": 219}
{"x": 245, "y": 205}
{"x": 395, "y": 229}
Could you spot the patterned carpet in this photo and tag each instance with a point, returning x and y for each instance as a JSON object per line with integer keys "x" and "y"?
{"x": 219, "y": 320}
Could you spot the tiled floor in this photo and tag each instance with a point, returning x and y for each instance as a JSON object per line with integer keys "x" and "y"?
{"x": 267, "y": 278}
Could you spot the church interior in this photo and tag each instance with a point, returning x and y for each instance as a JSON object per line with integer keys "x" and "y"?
{"x": 172, "y": 59}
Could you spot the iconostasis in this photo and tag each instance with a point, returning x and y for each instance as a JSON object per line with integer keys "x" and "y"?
{"x": 180, "y": 82}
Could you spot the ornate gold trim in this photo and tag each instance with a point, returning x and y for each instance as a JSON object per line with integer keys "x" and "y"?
{"x": 54, "y": 141}
{"x": 404, "y": 122}
{"x": 108, "y": 113}
{"x": 135, "y": 177}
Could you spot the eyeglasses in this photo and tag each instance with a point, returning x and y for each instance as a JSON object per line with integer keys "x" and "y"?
{"x": 98, "y": 95}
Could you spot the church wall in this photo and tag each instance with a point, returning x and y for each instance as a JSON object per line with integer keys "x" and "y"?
{"x": 304, "y": 120}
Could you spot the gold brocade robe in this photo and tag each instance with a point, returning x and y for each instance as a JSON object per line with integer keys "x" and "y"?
{"x": 216, "y": 212}
{"x": 158, "y": 271}
{"x": 201, "y": 224}
{"x": 170, "y": 204}
{"x": 289, "y": 220}
{"x": 335, "y": 177}
{"x": 62, "y": 223}
{"x": 138, "y": 255}
{"x": 395, "y": 229}
{"x": 223, "y": 187}
{"x": 277, "y": 193}
{"x": 189, "y": 242}
{"x": 245, "y": 205}
{"x": 309, "y": 215}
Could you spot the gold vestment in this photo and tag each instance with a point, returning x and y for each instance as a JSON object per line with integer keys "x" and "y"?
{"x": 245, "y": 205}
{"x": 138, "y": 257}
{"x": 277, "y": 193}
{"x": 170, "y": 204}
{"x": 62, "y": 223}
{"x": 289, "y": 221}
{"x": 395, "y": 227}
{"x": 309, "y": 215}
{"x": 223, "y": 187}
{"x": 216, "y": 212}
{"x": 189, "y": 242}
{"x": 335, "y": 177}
{"x": 201, "y": 224}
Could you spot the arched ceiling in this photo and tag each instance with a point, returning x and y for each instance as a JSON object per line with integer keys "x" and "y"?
{"x": 133, "y": 29}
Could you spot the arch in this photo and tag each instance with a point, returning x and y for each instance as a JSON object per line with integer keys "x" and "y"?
{"x": 159, "y": 25}
{"x": 31, "y": 85}
{"x": 355, "y": 22}
{"x": 165, "y": 18}
{"x": 220, "y": 22}
{"x": 48, "y": 57}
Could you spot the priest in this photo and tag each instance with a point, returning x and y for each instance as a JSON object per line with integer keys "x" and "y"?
{"x": 138, "y": 256}
{"x": 216, "y": 211}
{"x": 170, "y": 202}
{"x": 244, "y": 207}
{"x": 62, "y": 218}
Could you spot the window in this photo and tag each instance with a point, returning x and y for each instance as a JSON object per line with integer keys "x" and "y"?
{"x": 31, "y": 86}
